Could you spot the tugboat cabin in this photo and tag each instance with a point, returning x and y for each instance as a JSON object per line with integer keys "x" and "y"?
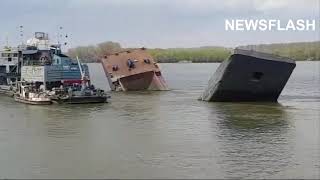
{"x": 45, "y": 64}
{"x": 9, "y": 58}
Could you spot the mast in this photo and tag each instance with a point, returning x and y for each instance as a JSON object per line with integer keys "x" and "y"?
{"x": 59, "y": 34}
{"x": 80, "y": 68}
{"x": 83, "y": 78}
{"x": 20, "y": 55}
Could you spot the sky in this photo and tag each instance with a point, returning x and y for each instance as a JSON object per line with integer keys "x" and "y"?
{"x": 153, "y": 23}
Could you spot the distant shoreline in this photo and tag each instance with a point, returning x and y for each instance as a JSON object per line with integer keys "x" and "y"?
{"x": 301, "y": 51}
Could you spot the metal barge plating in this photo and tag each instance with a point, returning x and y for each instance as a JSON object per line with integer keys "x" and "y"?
{"x": 249, "y": 76}
{"x": 133, "y": 70}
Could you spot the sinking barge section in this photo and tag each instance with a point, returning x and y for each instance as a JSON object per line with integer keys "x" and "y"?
{"x": 249, "y": 76}
{"x": 133, "y": 70}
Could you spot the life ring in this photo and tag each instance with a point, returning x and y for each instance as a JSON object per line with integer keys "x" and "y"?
{"x": 44, "y": 59}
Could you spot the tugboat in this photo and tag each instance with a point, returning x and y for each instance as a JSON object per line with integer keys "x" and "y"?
{"x": 28, "y": 93}
{"x": 44, "y": 64}
{"x": 77, "y": 93}
{"x": 133, "y": 70}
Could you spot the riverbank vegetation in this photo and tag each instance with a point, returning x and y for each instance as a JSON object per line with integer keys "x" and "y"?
{"x": 196, "y": 55}
{"x": 299, "y": 51}
{"x": 93, "y": 53}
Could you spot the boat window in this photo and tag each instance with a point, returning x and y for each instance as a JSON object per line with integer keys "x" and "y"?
{"x": 5, "y": 55}
{"x": 12, "y": 68}
{"x": 3, "y": 69}
{"x": 257, "y": 76}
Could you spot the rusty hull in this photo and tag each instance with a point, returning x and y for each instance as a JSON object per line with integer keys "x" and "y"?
{"x": 145, "y": 75}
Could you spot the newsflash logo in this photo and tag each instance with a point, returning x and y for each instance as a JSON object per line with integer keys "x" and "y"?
{"x": 270, "y": 25}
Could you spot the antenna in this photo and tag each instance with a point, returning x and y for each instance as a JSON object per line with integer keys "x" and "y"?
{"x": 21, "y": 34}
{"x": 66, "y": 40}
{"x": 59, "y": 34}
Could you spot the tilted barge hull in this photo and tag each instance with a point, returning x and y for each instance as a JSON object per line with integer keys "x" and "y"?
{"x": 249, "y": 76}
{"x": 133, "y": 70}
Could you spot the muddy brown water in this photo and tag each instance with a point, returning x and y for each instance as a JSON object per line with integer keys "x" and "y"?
{"x": 167, "y": 134}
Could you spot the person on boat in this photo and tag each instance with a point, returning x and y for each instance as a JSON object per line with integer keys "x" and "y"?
{"x": 42, "y": 88}
{"x": 130, "y": 63}
{"x": 70, "y": 91}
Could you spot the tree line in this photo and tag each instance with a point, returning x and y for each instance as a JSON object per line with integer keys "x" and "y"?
{"x": 94, "y": 53}
{"x": 297, "y": 51}
{"x": 301, "y": 51}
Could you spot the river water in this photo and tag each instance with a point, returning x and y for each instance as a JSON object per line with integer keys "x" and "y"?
{"x": 167, "y": 134}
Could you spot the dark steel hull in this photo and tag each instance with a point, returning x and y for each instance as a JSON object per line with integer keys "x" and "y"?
{"x": 249, "y": 76}
{"x": 81, "y": 100}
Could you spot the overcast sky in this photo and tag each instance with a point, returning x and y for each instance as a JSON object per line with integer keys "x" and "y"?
{"x": 153, "y": 23}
